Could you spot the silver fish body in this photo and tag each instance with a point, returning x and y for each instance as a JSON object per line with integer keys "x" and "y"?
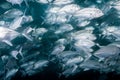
{"x": 107, "y": 51}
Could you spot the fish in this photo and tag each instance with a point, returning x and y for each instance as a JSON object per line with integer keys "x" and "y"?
{"x": 41, "y": 63}
{"x": 58, "y": 49}
{"x": 10, "y": 74}
{"x": 69, "y": 9}
{"x": 30, "y": 72}
{"x": 39, "y": 32}
{"x": 12, "y": 14}
{"x": 7, "y": 42}
{"x": 107, "y": 51}
{"x": 112, "y": 31}
{"x": 89, "y": 13}
{"x": 116, "y": 5}
{"x": 64, "y": 28}
{"x": 4, "y": 37}
{"x": 53, "y": 10}
{"x": 116, "y": 34}
{"x": 17, "y": 21}
{"x": 2, "y": 23}
{"x": 26, "y": 33}
{"x": 33, "y": 67}
{"x": 15, "y": 53}
{"x": 62, "y": 2}
{"x": 44, "y": 1}
{"x": 70, "y": 71}
{"x": 27, "y": 65}
{"x": 99, "y": 1}
{"x": 74, "y": 60}
{"x": 28, "y": 57}
{"x": 28, "y": 68}
{"x": 4, "y": 58}
{"x": 116, "y": 43}
{"x": 52, "y": 18}
{"x": 83, "y": 35}
{"x": 13, "y": 2}
{"x": 86, "y": 43}
{"x": 27, "y": 36}
{"x": 68, "y": 54}
{"x": 5, "y": 5}
{"x": 83, "y": 23}
{"x": 27, "y": 19}
{"x": 90, "y": 64}
{"x": 61, "y": 41}
{"x": 84, "y": 39}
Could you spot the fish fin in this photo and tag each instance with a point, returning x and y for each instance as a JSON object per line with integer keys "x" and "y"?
{"x": 7, "y": 42}
{"x": 27, "y": 37}
{"x": 26, "y": 3}
{"x": 10, "y": 73}
{"x": 74, "y": 68}
{"x": 20, "y": 52}
{"x": 86, "y": 69}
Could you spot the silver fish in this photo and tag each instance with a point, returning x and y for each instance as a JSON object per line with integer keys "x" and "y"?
{"x": 89, "y": 13}
{"x": 41, "y": 63}
{"x": 27, "y": 19}
{"x": 69, "y": 9}
{"x": 15, "y": 1}
{"x": 4, "y": 58}
{"x": 15, "y": 53}
{"x": 62, "y": 2}
{"x": 44, "y": 1}
{"x": 27, "y": 65}
{"x": 39, "y": 32}
{"x": 107, "y": 51}
{"x": 83, "y": 35}
{"x": 4, "y": 37}
{"x": 58, "y": 49}
{"x": 116, "y": 5}
{"x": 70, "y": 71}
{"x": 86, "y": 43}
{"x": 10, "y": 73}
{"x": 75, "y": 60}
{"x": 12, "y": 13}
{"x": 16, "y": 23}
{"x": 61, "y": 41}
{"x": 68, "y": 54}
{"x": 90, "y": 64}
{"x": 2, "y": 23}
{"x": 117, "y": 44}
{"x": 52, "y": 18}
{"x": 64, "y": 28}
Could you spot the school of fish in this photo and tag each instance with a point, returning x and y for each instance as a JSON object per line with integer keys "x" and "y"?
{"x": 76, "y": 35}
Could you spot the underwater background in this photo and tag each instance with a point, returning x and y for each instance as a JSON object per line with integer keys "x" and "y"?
{"x": 59, "y": 39}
